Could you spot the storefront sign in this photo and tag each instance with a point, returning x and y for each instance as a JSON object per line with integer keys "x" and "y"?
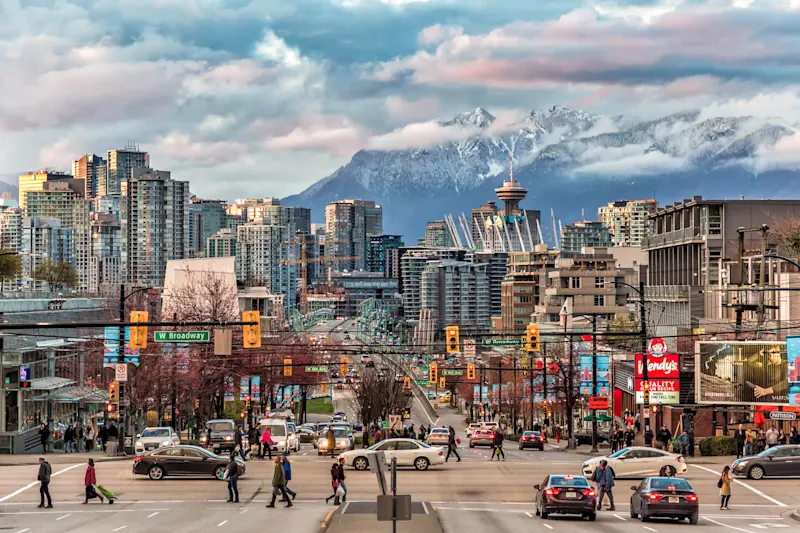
{"x": 662, "y": 391}
{"x": 665, "y": 366}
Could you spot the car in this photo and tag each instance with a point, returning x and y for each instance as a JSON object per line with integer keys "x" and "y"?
{"x": 481, "y": 437}
{"x": 341, "y": 414}
{"x": 664, "y": 497}
{"x": 294, "y": 438}
{"x": 365, "y": 358}
{"x": 566, "y": 494}
{"x": 157, "y": 437}
{"x": 490, "y": 425}
{"x": 778, "y": 461}
{"x": 370, "y": 364}
{"x": 408, "y": 452}
{"x": 220, "y": 435}
{"x": 531, "y": 439}
{"x": 438, "y": 436}
{"x": 639, "y": 462}
{"x": 182, "y": 460}
{"x": 472, "y": 427}
{"x": 305, "y": 434}
{"x": 584, "y": 436}
{"x": 337, "y": 418}
{"x": 342, "y": 441}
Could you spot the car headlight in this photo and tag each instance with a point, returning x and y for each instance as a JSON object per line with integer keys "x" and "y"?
{"x": 281, "y": 442}
{"x": 323, "y": 444}
{"x": 229, "y": 438}
{"x": 139, "y": 443}
{"x": 203, "y": 439}
{"x": 344, "y": 443}
{"x": 743, "y": 463}
{"x": 164, "y": 443}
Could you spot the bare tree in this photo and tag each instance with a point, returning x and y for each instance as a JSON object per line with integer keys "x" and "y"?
{"x": 377, "y": 396}
{"x": 786, "y": 233}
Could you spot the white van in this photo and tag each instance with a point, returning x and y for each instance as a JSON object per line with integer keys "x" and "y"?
{"x": 279, "y": 430}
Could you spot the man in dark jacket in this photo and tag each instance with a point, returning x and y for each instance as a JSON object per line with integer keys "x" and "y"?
{"x": 44, "y": 437}
{"x": 648, "y": 436}
{"x": 44, "y": 482}
{"x": 605, "y": 484}
{"x": 452, "y": 447}
{"x": 279, "y": 484}
{"x": 232, "y": 475}
{"x": 497, "y": 445}
{"x": 664, "y": 436}
{"x": 739, "y": 437}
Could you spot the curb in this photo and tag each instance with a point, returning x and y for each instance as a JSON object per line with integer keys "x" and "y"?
{"x": 35, "y": 461}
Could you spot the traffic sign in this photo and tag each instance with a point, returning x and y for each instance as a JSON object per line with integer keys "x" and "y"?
{"x": 384, "y": 424}
{"x": 121, "y": 372}
{"x": 320, "y": 368}
{"x": 469, "y": 347}
{"x": 181, "y": 336}
{"x": 452, "y": 372}
{"x": 502, "y": 342}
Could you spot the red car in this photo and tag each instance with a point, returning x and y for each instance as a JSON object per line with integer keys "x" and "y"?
{"x": 531, "y": 439}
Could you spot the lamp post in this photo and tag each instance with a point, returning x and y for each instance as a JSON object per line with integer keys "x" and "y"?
{"x": 642, "y": 332}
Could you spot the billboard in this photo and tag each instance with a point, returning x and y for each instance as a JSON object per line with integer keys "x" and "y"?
{"x": 793, "y": 354}
{"x": 741, "y": 373}
{"x": 663, "y": 372}
{"x": 586, "y": 375}
{"x": 662, "y": 391}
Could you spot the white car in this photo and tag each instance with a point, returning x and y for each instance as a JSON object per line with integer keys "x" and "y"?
{"x": 294, "y": 438}
{"x": 438, "y": 436}
{"x": 639, "y": 462}
{"x": 153, "y": 438}
{"x": 408, "y": 452}
{"x": 472, "y": 427}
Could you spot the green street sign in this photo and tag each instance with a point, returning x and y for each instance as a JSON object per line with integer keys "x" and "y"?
{"x": 182, "y": 336}
{"x": 451, "y": 372}
{"x": 502, "y": 342}
{"x": 384, "y": 425}
{"x": 321, "y": 368}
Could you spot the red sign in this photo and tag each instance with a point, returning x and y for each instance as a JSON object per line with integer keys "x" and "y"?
{"x": 598, "y": 402}
{"x": 659, "y": 385}
{"x": 664, "y": 367}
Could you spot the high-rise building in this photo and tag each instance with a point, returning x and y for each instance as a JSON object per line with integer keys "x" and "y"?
{"x": 206, "y": 217}
{"x": 380, "y": 257}
{"x": 155, "y": 225}
{"x": 437, "y": 234}
{"x": 627, "y": 220}
{"x": 44, "y": 239}
{"x": 93, "y": 169}
{"x": 260, "y": 259}
{"x": 523, "y": 288}
{"x": 221, "y": 244}
{"x": 456, "y": 293}
{"x": 497, "y": 267}
{"x": 11, "y": 228}
{"x": 348, "y": 225}
{"x": 120, "y": 164}
{"x": 413, "y": 261}
{"x": 106, "y": 256}
{"x": 294, "y": 218}
{"x": 34, "y": 181}
{"x": 584, "y": 234}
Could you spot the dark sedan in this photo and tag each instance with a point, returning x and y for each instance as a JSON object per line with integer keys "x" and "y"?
{"x": 664, "y": 497}
{"x": 565, "y": 494}
{"x": 778, "y": 461}
{"x": 181, "y": 461}
{"x": 584, "y": 436}
{"x": 532, "y": 439}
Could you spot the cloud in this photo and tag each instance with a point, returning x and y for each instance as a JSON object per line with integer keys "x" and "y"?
{"x": 420, "y": 135}
{"x": 334, "y": 135}
{"x": 439, "y": 33}
{"x": 628, "y": 161}
{"x": 57, "y": 154}
{"x": 785, "y": 154}
{"x": 399, "y": 107}
{"x": 183, "y": 147}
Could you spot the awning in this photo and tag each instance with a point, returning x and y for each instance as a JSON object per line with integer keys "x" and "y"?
{"x": 49, "y": 384}
{"x": 75, "y": 395}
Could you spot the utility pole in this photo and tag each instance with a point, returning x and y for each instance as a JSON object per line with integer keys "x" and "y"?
{"x": 123, "y": 412}
{"x": 544, "y": 384}
{"x": 594, "y": 381}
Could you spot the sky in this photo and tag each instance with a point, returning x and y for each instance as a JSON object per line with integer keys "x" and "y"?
{"x": 249, "y": 98}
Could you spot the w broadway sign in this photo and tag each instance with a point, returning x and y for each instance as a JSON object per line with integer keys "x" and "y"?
{"x": 181, "y": 336}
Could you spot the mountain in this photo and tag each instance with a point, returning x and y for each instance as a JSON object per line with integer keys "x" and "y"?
{"x": 568, "y": 159}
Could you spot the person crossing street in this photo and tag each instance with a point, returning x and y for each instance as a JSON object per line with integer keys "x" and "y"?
{"x": 279, "y": 484}
{"x": 452, "y": 445}
{"x": 497, "y": 445}
{"x": 45, "y": 470}
{"x": 605, "y": 483}
{"x": 232, "y": 475}
{"x": 287, "y": 469}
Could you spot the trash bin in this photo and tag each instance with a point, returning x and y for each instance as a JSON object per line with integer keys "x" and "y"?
{"x": 111, "y": 448}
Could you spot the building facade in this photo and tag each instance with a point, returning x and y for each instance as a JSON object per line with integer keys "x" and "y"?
{"x": 456, "y": 293}
{"x": 524, "y": 286}
{"x": 584, "y": 234}
{"x": 206, "y": 217}
{"x": 93, "y": 169}
{"x": 260, "y": 259}
{"x": 221, "y": 244}
{"x": 437, "y": 234}
{"x": 106, "y": 247}
{"x": 379, "y": 255}
{"x": 120, "y": 166}
{"x": 348, "y": 226}
{"x": 34, "y": 181}
{"x": 413, "y": 261}
{"x": 43, "y": 239}
{"x": 627, "y": 220}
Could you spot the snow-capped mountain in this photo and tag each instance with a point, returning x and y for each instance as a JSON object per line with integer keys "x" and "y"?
{"x": 568, "y": 159}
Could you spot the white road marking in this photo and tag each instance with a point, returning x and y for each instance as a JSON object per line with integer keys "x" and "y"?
{"x": 620, "y": 517}
{"x": 767, "y": 526}
{"x": 344, "y": 507}
{"x": 34, "y": 483}
{"x": 529, "y": 515}
{"x": 24, "y": 530}
{"x": 62, "y": 517}
{"x": 152, "y": 515}
{"x": 120, "y": 528}
{"x": 725, "y": 525}
{"x": 745, "y": 485}
{"x": 649, "y": 528}
{"x": 425, "y": 508}
{"x": 243, "y": 511}
{"x": 222, "y": 523}
{"x": 548, "y": 526}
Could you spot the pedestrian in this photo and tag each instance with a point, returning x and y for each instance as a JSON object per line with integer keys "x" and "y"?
{"x": 648, "y": 436}
{"x": 69, "y": 439}
{"x": 781, "y": 437}
{"x": 232, "y": 475}
{"x": 739, "y": 437}
{"x": 761, "y": 442}
{"x": 238, "y": 441}
{"x": 266, "y": 442}
{"x": 605, "y": 481}
{"x": 772, "y": 437}
{"x": 44, "y": 482}
{"x": 44, "y": 436}
{"x": 89, "y": 481}
{"x": 104, "y": 437}
{"x": 452, "y": 446}
{"x": 748, "y": 442}
{"x": 421, "y": 436}
{"x": 287, "y": 470}
{"x": 334, "y": 482}
{"x": 377, "y": 436}
{"x": 683, "y": 440}
{"x": 257, "y": 439}
{"x": 88, "y": 438}
{"x": 629, "y": 436}
{"x": 620, "y": 437}
{"x": 330, "y": 436}
{"x": 279, "y": 484}
{"x": 340, "y": 478}
{"x": 497, "y": 445}
{"x": 724, "y": 485}
{"x": 794, "y": 437}
{"x": 664, "y": 437}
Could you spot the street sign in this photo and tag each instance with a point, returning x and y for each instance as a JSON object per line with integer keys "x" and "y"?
{"x": 782, "y": 415}
{"x": 452, "y": 372}
{"x": 502, "y": 342}
{"x": 121, "y": 372}
{"x": 321, "y": 368}
{"x": 469, "y": 347}
{"x": 598, "y": 402}
{"x": 181, "y": 336}
{"x": 395, "y": 422}
{"x": 384, "y": 424}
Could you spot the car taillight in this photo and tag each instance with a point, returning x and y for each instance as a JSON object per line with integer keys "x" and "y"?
{"x": 552, "y": 492}
{"x": 440, "y": 453}
{"x": 588, "y": 492}
{"x": 541, "y": 439}
{"x": 137, "y": 458}
{"x": 679, "y": 459}
{"x": 524, "y": 438}
{"x": 653, "y": 497}
{"x": 691, "y": 497}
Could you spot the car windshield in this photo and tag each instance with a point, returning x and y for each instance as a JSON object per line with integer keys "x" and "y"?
{"x": 156, "y": 432}
{"x": 277, "y": 430}
{"x": 440, "y": 431}
{"x": 619, "y": 453}
{"x": 220, "y": 426}
{"x": 670, "y": 484}
{"x": 568, "y": 481}
{"x": 339, "y": 433}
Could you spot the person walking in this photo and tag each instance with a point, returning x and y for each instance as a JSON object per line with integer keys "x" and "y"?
{"x": 648, "y": 436}
{"x": 44, "y": 436}
{"x": 683, "y": 440}
{"x": 378, "y": 435}
{"x": 497, "y": 445}
{"x": 232, "y": 475}
{"x": 748, "y": 442}
{"x": 334, "y": 482}
{"x": 89, "y": 481}
{"x": 266, "y": 442}
{"x": 724, "y": 485}
{"x": 287, "y": 470}
{"x": 88, "y": 438}
{"x": 340, "y": 478}
{"x": 664, "y": 436}
{"x": 629, "y": 436}
{"x": 794, "y": 436}
{"x": 605, "y": 481}
{"x": 45, "y": 470}
{"x": 761, "y": 442}
{"x": 739, "y": 437}
{"x": 279, "y": 484}
{"x": 330, "y": 436}
{"x": 69, "y": 439}
{"x": 452, "y": 446}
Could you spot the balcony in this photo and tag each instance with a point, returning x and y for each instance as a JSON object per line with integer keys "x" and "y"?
{"x": 692, "y": 234}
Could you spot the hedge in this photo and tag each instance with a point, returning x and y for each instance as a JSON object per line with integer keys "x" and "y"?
{"x": 717, "y": 446}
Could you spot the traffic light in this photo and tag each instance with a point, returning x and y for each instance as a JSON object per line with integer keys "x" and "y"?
{"x": 251, "y": 334}
{"x": 287, "y": 367}
{"x": 452, "y": 339}
{"x": 247, "y": 402}
{"x": 406, "y": 382}
{"x": 442, "y": 382}
{"x": 111, "y": 408}
{"x": 197, "y": 404}
{"x": 470, "y": 371}
{"x": 113, "y": 392}
{"x": 433, "y": 373}
{"x": 654, "y": 408}
{"x": 138, "y": 333}
{"x": 532, "y": 338}
{"x": 646, "y": 393}
{"x": 343, "y": 365}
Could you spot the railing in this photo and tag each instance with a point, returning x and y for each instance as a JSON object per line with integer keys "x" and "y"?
{"x": 662, "y": 239}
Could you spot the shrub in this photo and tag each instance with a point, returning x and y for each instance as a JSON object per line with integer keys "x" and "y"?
{"x": 717, "y": 446}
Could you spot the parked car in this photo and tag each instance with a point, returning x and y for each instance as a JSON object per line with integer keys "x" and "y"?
{"x": 438, "y": 437}
{"x": 408, "y": 452}
{"x": 481, "y": 437}
{"x": 783, "y": 461}
{"x": 584, "y": 436}
{"x": 182, "y": 460}
{"x": 566, "y": 494}
{"x": 666, "y": 497}
{"x": 639, "y": 462}
{"x": 531, "y": 439}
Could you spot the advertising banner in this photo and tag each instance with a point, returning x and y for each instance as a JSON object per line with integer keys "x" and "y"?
{"x": 228, "y": 389}
{"x": 603, "y": 375}
{"x": 111, "y": 347}
{"x": 662, "y": 391}
{"x": 741, "y": 373}
{"x": 793, "y": 354}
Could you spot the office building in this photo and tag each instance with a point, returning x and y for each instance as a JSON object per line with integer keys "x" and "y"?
{"x": 106, "y": 247}
{"x": 93, "y": 169}
{"x": 296, "y": 219}
{"x": 155, "y": 225}
{"x": 584, "y": 234}
{"x": 524, "y": 286}
{"x": 626, "y": 220}
{"x": 34, "y": 181}
{"x": 260, "y": 256}
{"x": 348, "y": 226}
{"x": 120, "y": 165}
{"x": 497, "y": 267}
{"x": 438, "y": 234}
{"x": 206, "y": 218}
{"x": 456, "y": 293}
{"x": 361, "y": 286}
{"x": 221, "y": 244}
{"x": 413, "y": 261}
{"x": 380, "y": 257}
{"x": 43, "y": 239}
{"x": 11, "y": 228}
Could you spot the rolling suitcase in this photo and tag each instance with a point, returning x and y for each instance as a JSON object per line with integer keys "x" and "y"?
{"x": 106, "y": 494}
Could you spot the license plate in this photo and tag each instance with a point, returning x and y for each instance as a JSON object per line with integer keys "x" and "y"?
{"x": 674, "y": 499}
{"x": 572, "y": 495}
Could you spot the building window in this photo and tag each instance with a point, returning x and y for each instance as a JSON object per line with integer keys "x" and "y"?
{"x": 575, "y": 283}
{"x": 599, "y": 283}
{"x": 599, "y": 300}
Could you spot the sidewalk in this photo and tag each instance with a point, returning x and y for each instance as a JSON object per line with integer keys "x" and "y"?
{"x": 697, "y": 459}
{"x": 57, "y": 458}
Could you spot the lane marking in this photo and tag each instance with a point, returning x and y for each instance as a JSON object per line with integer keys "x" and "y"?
{"x": 529, "y": 515}
{"x": 24, "y": 530}
{"x": 745, "y": 485}
{"x": 548, "y": 526}
{"x": 222, "y": 523}
{"x": 34, "y": 483}
{"x": 620, "y": 517}
{"x": 425, "y": 508}
{"x": 725, "y": 525}
{"x": 649, "y": 529}
{"x": 62, "y": 517}
{"x": 152, "y": 515}
{"x": 120, "y": 528}
{"x": 243, "y": 511}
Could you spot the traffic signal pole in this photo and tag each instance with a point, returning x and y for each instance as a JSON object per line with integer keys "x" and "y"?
{"x": 123, "y": 420}
{"x": 594, "y": 382}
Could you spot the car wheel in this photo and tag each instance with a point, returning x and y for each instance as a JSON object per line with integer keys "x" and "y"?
{"x": 756, "y": 472}
{"x": 421, "y": 463}
{"x": 360, "y": 463}
{"x": 219, "y": 472}
{"x": 693, "y": 519}
{"x": 592, "y": 517}
{"x": 644, "y": 518}
{"x": 668, "y": 471}
{"x": 155, "y": 473}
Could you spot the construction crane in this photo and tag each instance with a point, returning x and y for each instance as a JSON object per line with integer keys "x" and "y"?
{"x": 304, "y": 261}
